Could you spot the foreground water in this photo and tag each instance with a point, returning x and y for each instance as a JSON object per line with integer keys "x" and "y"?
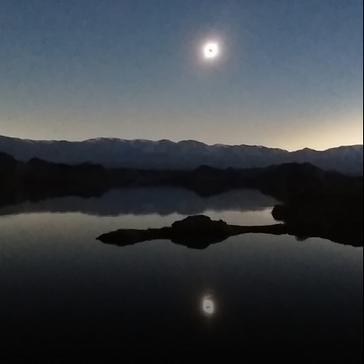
{"x": 255, "y": 297}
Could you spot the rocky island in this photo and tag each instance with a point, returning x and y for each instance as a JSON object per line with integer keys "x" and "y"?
{"x": 199, "y": 232}
{"x": 196, "y": 232}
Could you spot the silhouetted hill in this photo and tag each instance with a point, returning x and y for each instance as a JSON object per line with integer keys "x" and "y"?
{"x": 293, "y": 183}
{"x": 315, "y": 202}
{"x": 290, "y": 180}
{"x": 281, "y": 181}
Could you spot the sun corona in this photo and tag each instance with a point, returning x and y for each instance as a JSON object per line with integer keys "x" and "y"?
{"x": 211, "y": 50}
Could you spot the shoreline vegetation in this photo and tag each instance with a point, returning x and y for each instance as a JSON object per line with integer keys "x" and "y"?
{"x": 315, "y": 203}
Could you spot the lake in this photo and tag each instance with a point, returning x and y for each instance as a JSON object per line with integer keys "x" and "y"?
{"x": 252, "y": 298}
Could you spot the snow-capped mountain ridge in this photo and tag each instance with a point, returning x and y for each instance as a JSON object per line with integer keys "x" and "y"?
{"x": 186, "y": 154}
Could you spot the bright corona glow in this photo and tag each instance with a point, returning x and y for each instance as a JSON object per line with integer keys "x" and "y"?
{"x": 208, "y": 306}
{"x": 211, "y": 50}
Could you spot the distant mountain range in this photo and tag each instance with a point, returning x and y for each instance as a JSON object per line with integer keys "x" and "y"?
{"x": 189, "y": 154}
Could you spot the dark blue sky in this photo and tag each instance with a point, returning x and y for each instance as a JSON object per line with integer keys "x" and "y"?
{"x": 289, "y": 75}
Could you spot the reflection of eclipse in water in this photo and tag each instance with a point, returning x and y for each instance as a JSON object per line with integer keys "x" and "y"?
{"x": 208, "y": 306}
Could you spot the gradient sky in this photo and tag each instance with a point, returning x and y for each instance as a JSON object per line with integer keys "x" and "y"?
{"x": 290, "y": 73}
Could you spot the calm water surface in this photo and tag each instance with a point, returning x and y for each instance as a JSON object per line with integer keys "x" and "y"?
{"x": 260, "y": 297}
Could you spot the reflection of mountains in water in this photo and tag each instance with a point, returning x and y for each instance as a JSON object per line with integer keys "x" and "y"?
{"x": 139, "y": 201}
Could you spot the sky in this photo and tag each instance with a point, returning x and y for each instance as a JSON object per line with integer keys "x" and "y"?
{"x": 289, "y": 73}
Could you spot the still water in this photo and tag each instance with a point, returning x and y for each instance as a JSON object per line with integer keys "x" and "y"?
{"x": 257, "y": 297}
